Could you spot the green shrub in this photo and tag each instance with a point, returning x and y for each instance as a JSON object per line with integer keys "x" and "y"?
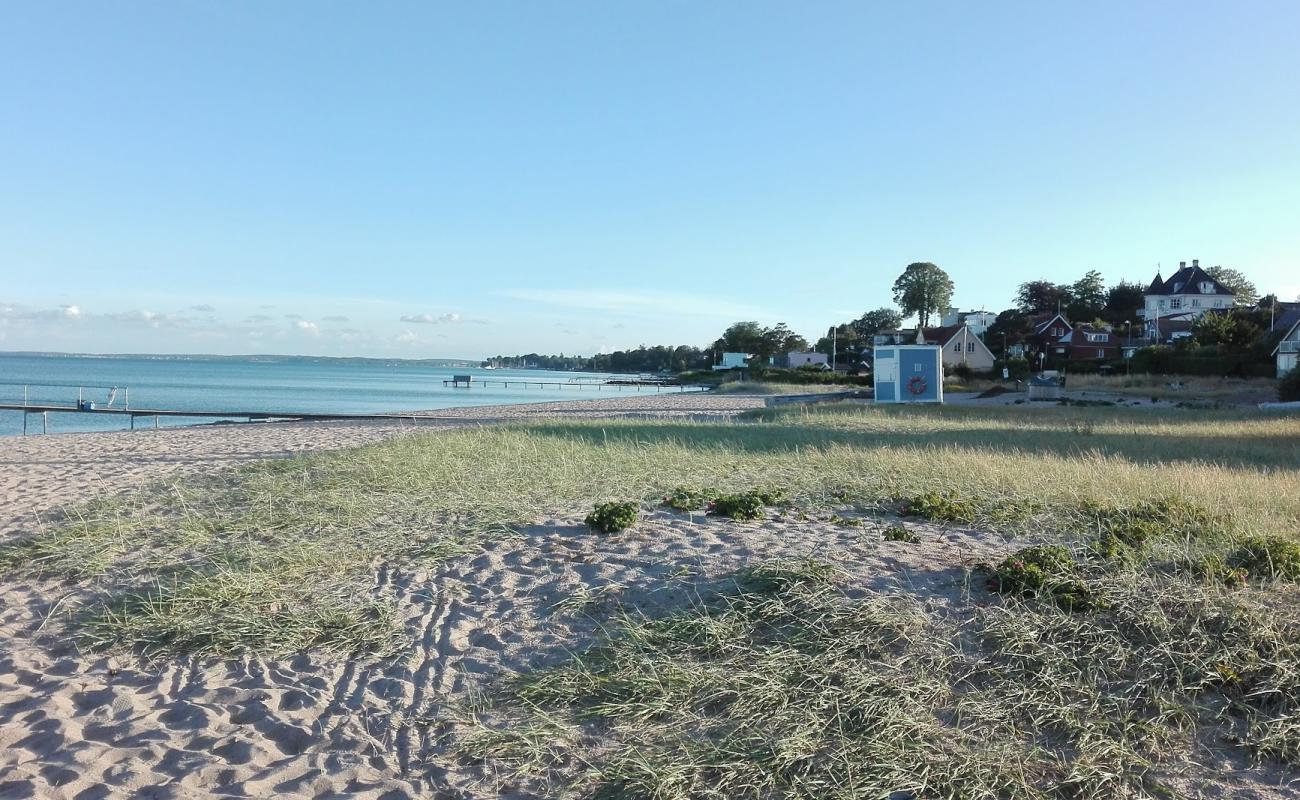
{"x": 613, "y": 517}
{"x": 684, "y": 498}
{"x": 1111, "y": 547}
{"x": 1048, "y": 570}
{"x": 742, "y": 506}
{"x": 935, "y": 506}
{"x": 899, "y": 533}
{"x": 1268, "y": 557}
{"x": 846, "y": 522}
{"x": 1170, "y": 518}
{"x": 1216, "y": 568}
{"x": 1288, "y": 386}
{"x": 772, "y": 497}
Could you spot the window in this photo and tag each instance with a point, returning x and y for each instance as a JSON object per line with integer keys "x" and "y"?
{"x": 1101, "y": 352}
{"x": 1162, "y": 303}
{"x": 956, "y": 348}
{"x": 970, "y": 347}
{"x": 918, "y": 368}
{"x": 1175, "y": 302}
{"x": 1207, "y": 287}
{"x": 1196, "y": 302}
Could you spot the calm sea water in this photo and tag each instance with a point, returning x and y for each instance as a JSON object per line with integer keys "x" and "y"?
{"x": 298, "y": 384}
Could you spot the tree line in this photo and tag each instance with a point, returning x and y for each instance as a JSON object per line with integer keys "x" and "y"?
{"x": 923, "y": 291}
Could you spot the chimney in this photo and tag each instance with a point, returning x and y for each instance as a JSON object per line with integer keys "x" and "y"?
{"x": 1182, "y": 264}
{"x": 1196, "y": 262}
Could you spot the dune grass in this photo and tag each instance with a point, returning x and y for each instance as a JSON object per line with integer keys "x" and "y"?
{"x": 171, "y": 568}
{"x": 1160, "y": 639}
{"x": 788, "y": 686}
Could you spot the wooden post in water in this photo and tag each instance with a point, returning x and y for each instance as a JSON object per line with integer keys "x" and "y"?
{"x": 45, "y": 422}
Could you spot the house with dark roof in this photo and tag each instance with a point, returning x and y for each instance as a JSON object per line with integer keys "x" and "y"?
{"x": 1287, "y": 352}
{"x": 1184, "y": 296}
{"x": 960, "y": 345}
{"x": 1049, "y": 329}
{"x": 1088, "y": 343}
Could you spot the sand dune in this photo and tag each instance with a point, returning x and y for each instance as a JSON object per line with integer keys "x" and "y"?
{"x": 75, "y": 725}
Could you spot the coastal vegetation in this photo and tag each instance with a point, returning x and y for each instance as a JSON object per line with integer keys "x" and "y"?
{"x": 1142, "y": 626}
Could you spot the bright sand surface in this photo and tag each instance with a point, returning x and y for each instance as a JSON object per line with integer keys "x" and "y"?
{"x": 84, "y": 725}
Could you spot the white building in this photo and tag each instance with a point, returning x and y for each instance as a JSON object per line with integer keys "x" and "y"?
{"x": 1287, "y": 351}
{"x": 797, "y": 360}
{"x": 1186, "y": 295}
{"x": 732, "y": 361}
{"x": 977, "y": 321}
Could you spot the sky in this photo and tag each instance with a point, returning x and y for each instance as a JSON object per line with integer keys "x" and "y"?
{"x": 466, "y": 179}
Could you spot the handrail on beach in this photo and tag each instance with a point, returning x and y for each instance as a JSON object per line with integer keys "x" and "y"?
{"x": 81, "y": 391}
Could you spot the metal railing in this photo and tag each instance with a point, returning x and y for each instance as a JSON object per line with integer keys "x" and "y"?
{"x": 111, "y": 394}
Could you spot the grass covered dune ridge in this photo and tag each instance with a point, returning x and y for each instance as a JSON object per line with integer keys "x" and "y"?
{"x": 282, "y": 544}
{"x": 1143, "y": 631}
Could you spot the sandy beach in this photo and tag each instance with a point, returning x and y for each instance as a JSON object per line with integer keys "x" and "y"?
{"x": 81, "y": 725}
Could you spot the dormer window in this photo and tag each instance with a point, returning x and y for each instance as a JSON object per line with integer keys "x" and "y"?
{"x": 1207, "y": 287}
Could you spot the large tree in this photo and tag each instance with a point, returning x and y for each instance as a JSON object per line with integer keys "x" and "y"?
{"x": 1235, "y": 282}
{"x": 1122, "y": 303}
{"x": 779, "y": 340}
{"x": 1035, "y": 297}
{"x": 873, "y": 322}
{"x": 1087, "y": 297}
{"x": 1012, "y": 326}
{"x": 923, "y": 289}
{"x": 741, "y": 337}
{"x": 750, "y": 337}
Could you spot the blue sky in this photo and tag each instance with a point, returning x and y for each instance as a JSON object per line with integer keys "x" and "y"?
{"x": 426, "y": 179}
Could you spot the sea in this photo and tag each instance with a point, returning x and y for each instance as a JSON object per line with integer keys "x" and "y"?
{"x": 255, "y": 383}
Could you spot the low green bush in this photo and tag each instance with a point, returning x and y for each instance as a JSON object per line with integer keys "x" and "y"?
{"x": 1217, "y": 569}
{"x": 614, "y": 516}
{"x": 1047, "y": 570}
{"x": 1268, "y": 557}
{"x": 685, "y": 498}
{"x": 899, "y": 533}
{"x": 940, "y": 507}
{"x": 742, "y": 506}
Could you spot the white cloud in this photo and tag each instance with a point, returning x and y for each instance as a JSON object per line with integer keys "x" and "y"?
{"x": 203, "y": 308}
{"x": 406, "y": 337}
{"x": 307, "y": 326}
{"x": 429, "y": 319}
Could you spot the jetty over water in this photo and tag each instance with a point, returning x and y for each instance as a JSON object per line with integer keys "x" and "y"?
{"x": 617, "y": 383}
{"x": 117, "y": 402}
{"x": 250, "y": 416}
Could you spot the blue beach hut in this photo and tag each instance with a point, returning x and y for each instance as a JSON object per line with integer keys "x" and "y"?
{"x": 909, "y": 373}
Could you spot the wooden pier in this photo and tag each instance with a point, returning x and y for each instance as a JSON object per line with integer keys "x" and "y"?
{"x": 250, "y": 416}
{"x": 29, "y": 407}
{"x": 618, "y": 384}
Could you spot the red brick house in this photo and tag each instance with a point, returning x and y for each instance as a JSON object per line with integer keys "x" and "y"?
{"x": 1086, "y": 343}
